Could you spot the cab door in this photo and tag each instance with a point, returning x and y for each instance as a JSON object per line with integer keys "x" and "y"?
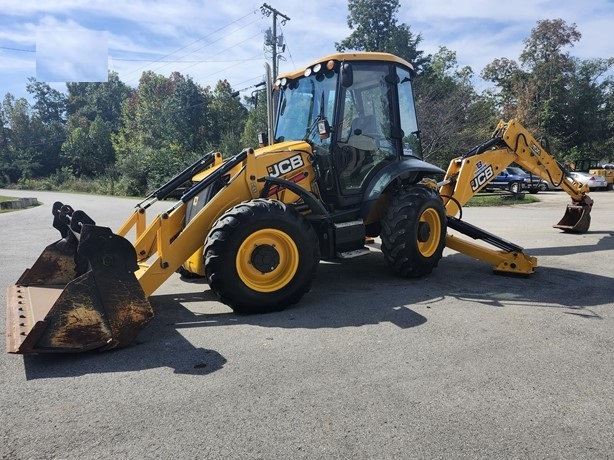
{"x": 363, "y": 140}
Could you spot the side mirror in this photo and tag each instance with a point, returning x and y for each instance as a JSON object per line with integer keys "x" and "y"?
{"x": 347, "y": 75}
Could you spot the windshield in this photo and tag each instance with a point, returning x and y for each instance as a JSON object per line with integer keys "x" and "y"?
{"x": 301, "y": 102}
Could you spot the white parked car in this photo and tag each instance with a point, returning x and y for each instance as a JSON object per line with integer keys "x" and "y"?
{"x": 594, "y": 181}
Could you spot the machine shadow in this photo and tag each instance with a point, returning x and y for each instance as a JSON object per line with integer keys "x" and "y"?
{"x": 606, "y": 243}
{"x": 158, "y": 346}
{"x": 350, "y": 293}
{"x": 363, "y": 291}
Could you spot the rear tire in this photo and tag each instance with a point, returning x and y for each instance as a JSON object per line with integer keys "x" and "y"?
{"x": 413, "y": 231}
{"x": 261, "y": 256}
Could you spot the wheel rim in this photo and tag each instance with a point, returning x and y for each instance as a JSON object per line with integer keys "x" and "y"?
{"x": 267, "y": 260}
{"x": 429, "y": 232}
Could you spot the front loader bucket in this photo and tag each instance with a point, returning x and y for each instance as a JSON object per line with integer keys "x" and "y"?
{"x": 577, "y": 219}
{"x": 81, "y": 294}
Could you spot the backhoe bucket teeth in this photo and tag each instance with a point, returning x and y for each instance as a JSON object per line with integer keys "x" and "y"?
{"x": 577, "y": 219}
{"x": 81, "y": 294}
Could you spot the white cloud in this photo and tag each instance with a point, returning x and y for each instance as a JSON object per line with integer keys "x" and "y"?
{"x": 477, "y": 30}
{"x": 71, "y": 55}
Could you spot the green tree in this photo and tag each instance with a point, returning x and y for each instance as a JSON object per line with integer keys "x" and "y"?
{"x": 453, "y": 117}
{"x": 94, "y": 114}
{"x": 513, "y": 84}
{"x": 167, "y": 123}
{"x": 77, "y": 152}
{"x": 141, "y": 148}
{"x": 15, "y": 127}
{"x": 98, "y": 99}
{"x": 49, "y": 105}
{"x": 256, "y": 122}
{"x": 20, "y": 157}
{"x": 555, "y": 95}
{"x": 188, "y": 123}
{"x": 375, "y": 27}
{"x": 535, "y": 89}
{"x": 228, "y": 118}
{"x": 88, "y": 150}
{"x": 48, "y": 119}
{"x": 584, "y": 120}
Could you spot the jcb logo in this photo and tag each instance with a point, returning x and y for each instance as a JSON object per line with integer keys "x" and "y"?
{"x": 481, "y": 178}
{"x": 285, "y": 166}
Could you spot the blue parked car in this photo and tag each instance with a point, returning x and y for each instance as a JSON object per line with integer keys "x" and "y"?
{"x": 515, "y": 180}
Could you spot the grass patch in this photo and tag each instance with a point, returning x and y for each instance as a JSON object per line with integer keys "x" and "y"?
{"x": 500, "y": 199}
{"x": 6, "y": 198}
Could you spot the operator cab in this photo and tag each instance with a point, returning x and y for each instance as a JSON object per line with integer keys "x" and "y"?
{"x": 358, "y": 115}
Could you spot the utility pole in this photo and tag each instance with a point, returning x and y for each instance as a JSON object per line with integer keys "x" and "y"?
{"x": 271, "y": 39}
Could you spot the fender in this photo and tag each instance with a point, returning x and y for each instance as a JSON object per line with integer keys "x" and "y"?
{"x": 411, "y": 170}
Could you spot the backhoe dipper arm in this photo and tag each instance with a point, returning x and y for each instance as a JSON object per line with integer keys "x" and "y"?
{"x": 535, "y": 159}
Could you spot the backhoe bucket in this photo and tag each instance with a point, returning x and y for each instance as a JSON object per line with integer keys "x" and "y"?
{"x": 577, "y": 219}
{"x": 81, "y": 294}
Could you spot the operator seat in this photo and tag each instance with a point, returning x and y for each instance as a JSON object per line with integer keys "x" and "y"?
{"x": 358, "y": 152}
{"x": 362, "y": 132}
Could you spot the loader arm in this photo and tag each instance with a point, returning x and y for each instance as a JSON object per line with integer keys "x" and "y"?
{"x": 473, "y": 171}
{"x": 174, "y": 244}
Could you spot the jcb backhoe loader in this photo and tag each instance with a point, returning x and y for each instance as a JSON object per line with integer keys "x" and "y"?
{"x": 343, "y": 163}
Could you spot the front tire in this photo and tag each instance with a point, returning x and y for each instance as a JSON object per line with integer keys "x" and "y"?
{"x": 413, "y": 231}
{"x": 261, "y": 256}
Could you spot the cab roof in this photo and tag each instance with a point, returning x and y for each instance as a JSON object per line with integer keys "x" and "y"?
{"x": 357, "y": 56}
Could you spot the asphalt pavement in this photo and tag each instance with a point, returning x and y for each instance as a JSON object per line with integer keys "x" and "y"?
{"x": 461, "y": 364}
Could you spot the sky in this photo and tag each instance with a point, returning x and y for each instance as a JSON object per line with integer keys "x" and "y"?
{"x": 79, "y": 40}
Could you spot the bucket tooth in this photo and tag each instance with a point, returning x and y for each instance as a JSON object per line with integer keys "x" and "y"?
{"x": 52, "y": 319}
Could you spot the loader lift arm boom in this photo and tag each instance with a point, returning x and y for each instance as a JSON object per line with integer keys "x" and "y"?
{"x": 471, "y": 172}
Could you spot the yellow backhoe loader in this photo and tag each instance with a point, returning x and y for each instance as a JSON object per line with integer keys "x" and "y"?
{"x": 342, "y": 163}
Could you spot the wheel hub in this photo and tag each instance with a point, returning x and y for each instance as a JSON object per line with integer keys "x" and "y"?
{"x": 265, "y": 258}
{"x": 424, "y": 232}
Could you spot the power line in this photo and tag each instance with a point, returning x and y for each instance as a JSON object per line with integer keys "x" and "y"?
{"x": 289, "y": 53}
{"x": 17, "y": 49}
{"x": 215, "y": 41}
{"x": 226, "y": 68}
{"x": 189, "y": 61}
{"x": 228, "y": 48}
{"x": 194, "y": 41}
